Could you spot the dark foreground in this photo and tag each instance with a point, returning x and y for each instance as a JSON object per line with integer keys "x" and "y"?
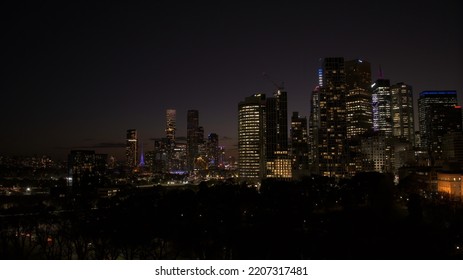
{"x": 363, "y": 218}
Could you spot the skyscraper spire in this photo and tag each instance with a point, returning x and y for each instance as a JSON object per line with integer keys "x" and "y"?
{"x": 142, "y": 156}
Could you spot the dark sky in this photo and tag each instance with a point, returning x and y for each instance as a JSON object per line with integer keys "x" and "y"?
{"x": 78, "y": 75}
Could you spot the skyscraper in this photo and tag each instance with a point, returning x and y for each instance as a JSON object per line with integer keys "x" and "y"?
{"x": 330, "y": 119}
{"x": 403, "y": 125}
{"x": 192, "y": 138}
{"x": 382, "y": 119}
{"x": 170, "y": 124}
{"x": 382, "y": 107}
{"x": 131, "y": 148}
{"x": 358, "y": 99}
{"x": 277, "y": 153}
{"x": 213, "y": 149}
{"x": 251, "y": 138}
{"x": 314, "y": 125}
{"x": 299, "y": 145}
{"x": 439, "y": 114}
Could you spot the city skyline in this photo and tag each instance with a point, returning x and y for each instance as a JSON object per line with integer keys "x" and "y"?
{"x": 79, "y": 77}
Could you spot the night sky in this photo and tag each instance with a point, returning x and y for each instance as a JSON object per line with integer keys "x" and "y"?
{"x": 78, "y": 75}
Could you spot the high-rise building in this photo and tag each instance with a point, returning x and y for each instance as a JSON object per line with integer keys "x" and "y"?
{"x": 382, "y": 118}
{"x": 452, "y": 149}
{"x": 178, "y": 158}
{"x": 330, "y": 119}
{"x": 314, "y": 125}
{"x": 299, "y": 146}
{"x": 358, "y": 99}
{"x": 131, "y": 148}
{"x": 192, "y": 138}
{"x": 213, "y": 151}
{"x": 277, "y": 153}
{"x": 439, "y": 114}
{"x": 160, "y": 156}
{"x": 170, "y": 124}
{"x": 403, "y": 125}
{"x": 358, "y": 111}
{"x": 251, "y": 138}
{"x": 382, "y": 107}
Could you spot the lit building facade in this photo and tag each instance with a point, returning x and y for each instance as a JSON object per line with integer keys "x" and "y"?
{"x": 314, "y": 125}
{"x": 277, "y": 153}
{"x": 403, "y": 125}
{"x": 375, "y": 154}
{"x": 131, "y": 148}
{"x": 299, "y": 145}
{"x": 171, "y": 124}
{"x": 193, "y": 140}
{"x": 382, "y": 107}
{"x": 439, "y": 114}
{"x": 330, "y": 118}
{"x": 452, "y": 149}
{"x": 358, "y": 112}
{"x": 251, "y": 138}
{"x": 213, "y": 150}
{"x": 450, "y": 184}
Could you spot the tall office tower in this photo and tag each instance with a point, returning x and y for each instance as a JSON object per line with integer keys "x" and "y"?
{"x": 192, "y": 138}
{"x": 382, "y": 117}
{"x": 314, "y": 125}
{"x": 213, "y": 151}
{"x": 160, "y": 159}
{"x": 358, "y": 111}
{"x": 299, "y": 146}
{"x": 251, "y": 138}
{"x": 382, "y": 107}
{"x": 439, "y": 114}
{"x": 178, "y": 158}
{"x": 277, "y": 154}
{"x": 170, "y": 124}
{"x": 331, "y": 110}
{"x": 131, "y": 148}
{"x": 403, "y": 125}
{"x": 358, "y": 99}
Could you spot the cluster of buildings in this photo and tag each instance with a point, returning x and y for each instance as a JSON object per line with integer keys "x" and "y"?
{"x": 196, "y": 156}
{"x": 355, "y": 125}
{"x": 196, "y": 153}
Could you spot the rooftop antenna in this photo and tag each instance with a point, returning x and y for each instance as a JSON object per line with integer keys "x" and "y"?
{"x": 380, "y": 72}
{"x": 279, "y": 87}
{"x": 142, "y": 156}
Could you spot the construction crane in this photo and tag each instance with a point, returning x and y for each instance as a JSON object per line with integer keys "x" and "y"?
{"x": 279, "y": 87}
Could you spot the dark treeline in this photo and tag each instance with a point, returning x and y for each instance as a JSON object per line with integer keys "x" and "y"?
{"x": 366, "y": 217}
